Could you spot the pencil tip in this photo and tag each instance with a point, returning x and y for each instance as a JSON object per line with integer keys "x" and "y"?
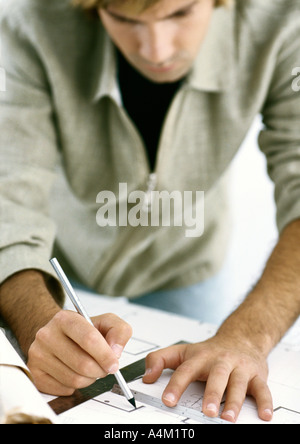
{"x": 132, "y": 402}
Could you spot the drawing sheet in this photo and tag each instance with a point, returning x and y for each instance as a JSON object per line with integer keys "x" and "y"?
{"x": 19, "y": 398}
{"x": 154, "y": 329}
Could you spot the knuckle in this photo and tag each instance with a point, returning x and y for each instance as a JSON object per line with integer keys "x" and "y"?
{"x": 86, "y": 367}
{"x": 221, "y": 371}
{"x": 108, "y": 364}
{"x": 127, "y": 330}
{"x": 38, "y": 375}
{"x": 39, "y": 380}
{"x": 66, "y": 319}
{"x": 43, "y": 335}
{"x": 77, "y": 381}
{"x": 35, "y": 355}
{"x": 204, "y": 353}
{"x": 240, "y": 386}
{"x": 62, "y": 317}
{"x": 111, "y": 317}
{"x": 214, "y": 395}
{"x": 186, "y": 368}
{"x": 244, "y": 362}
{"x": 154, "y": 359}
{"x": 234, "y": 406}
{"x": 152, "y": 356}
{"x": 66, "y": 391}
{"x": 90, "y": 339}
{"x": 227, "y": 356}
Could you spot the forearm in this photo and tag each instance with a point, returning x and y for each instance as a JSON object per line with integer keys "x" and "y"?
{"x": 235, "y": 360}
{"x": 274, "y": 304}
{"x": 27, "y": 304}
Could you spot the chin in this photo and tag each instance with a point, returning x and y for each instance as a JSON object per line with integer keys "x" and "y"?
{"x": 165, "y": 77}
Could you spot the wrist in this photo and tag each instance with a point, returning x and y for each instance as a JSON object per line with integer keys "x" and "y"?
{"x": 27, "y": 305}
{"x": 246, "y": 329}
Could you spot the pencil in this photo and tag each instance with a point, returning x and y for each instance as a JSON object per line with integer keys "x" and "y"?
{"x": 81, "y": 310}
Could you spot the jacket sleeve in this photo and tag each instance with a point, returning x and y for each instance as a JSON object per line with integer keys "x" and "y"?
{"x": 28, "y": 155}
{"x": 280, "y": 138}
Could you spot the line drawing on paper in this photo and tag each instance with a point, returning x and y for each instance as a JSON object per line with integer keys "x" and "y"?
{"x": 136, "y": 347}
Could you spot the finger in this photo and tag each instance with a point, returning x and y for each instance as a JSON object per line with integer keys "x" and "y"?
{"x": 88, "y": 339}
{"x": 115, "y": 331}
{"x": 235, "y": 397}
{"x": 52, "y": 345}
{"x": 260, "y": 391}
{"x": 65, "y": 375}
{"x": 156, "y": 362}
{"x": 215, "y": 388}
{"x": 49, "y": 385}
{"x": 185, "y": 374}
{"x": 39, "y": 360}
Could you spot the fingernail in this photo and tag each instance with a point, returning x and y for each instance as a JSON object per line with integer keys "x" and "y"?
{"x": 170, "y": 397}
{"x": 212, "y": 408}
{"x": 118, "y": 350}
{"x": 148, "y": 372}
{"x": 230, "y": 414}
{"x": 268, "y": 412}
{"x": 114, "y": 368}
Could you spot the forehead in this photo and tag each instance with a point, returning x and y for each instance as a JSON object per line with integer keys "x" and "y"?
{"x": 158, "y": 11}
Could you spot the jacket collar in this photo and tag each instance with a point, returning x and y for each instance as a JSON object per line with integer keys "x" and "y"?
{"x": 213, "y": 69}
{"x": 106, "y": 84}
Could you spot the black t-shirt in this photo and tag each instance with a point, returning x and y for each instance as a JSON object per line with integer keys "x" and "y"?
{"x": 147, "y": 104}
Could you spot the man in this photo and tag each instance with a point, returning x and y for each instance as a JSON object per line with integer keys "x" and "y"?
{"x": 71, "y": 117}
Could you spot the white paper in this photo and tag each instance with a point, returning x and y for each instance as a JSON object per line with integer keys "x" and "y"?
{"x": 154, "y": 329}
{"x": 19, "y": 399}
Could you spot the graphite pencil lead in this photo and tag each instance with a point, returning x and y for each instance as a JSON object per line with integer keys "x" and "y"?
{"x": 132, "y": 402}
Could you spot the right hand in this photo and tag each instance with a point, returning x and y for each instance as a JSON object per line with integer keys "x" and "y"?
{"x": 69, "y": 354}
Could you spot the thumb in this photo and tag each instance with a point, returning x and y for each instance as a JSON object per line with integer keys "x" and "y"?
{"x": 156, "y": 362}
{"x": 115, "y": 331}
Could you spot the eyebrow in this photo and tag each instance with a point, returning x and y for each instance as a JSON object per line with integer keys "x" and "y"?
{"x": 131, "y": 20}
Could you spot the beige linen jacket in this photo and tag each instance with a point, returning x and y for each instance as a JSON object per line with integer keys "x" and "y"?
{"x": 65, "y": 137}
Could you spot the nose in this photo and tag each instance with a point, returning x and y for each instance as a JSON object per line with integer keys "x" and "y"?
{"x": 156, "y": 43}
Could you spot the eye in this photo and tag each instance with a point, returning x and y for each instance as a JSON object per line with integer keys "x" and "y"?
{"x": 181, "y": 14}
{"x": 124, "y": 20}
{"x": 185, "y": 12}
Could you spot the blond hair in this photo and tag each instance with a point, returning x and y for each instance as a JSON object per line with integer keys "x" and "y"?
{"x": 132, "y": 5}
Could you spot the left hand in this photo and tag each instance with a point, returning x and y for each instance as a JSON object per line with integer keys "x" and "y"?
{"x": 235, "y": 368}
